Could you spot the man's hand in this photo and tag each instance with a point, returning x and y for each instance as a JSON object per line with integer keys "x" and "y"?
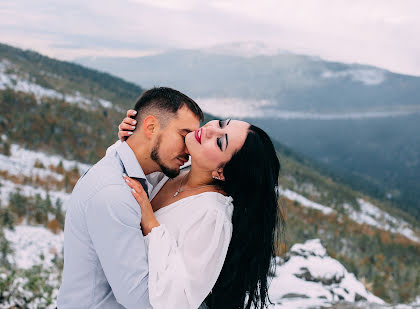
{"x": 127, "y": 126}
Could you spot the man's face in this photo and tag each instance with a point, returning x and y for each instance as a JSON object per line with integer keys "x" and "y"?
{"x": 170, "y": 152}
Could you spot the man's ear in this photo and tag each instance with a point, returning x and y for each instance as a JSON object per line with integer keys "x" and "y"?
{"x": 150, "y": 126}
{"x": 218, "y": 174}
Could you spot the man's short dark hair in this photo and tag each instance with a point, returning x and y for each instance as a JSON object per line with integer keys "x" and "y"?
{"x": 166, "y": 100}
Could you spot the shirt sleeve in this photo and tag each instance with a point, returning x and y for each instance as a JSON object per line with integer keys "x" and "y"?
{"x": 113, "y": 221}
{"x": 182, "y": 272}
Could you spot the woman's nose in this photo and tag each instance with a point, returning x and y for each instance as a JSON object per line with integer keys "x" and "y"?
{"x": 211, "y": 131}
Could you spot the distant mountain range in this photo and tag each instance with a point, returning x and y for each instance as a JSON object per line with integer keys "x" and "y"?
{"x": 360, "y": 120}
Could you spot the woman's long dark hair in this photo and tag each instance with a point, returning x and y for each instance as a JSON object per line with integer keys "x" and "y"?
{"x": 251, "y": 178}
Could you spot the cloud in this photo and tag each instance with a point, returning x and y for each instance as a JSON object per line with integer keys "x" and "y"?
{"x": 381, "y": 33}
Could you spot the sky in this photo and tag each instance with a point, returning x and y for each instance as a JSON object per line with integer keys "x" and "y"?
{"x": 383, "y": 33}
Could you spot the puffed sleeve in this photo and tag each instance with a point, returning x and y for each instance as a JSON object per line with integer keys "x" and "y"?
{"x": 182, "y": 272}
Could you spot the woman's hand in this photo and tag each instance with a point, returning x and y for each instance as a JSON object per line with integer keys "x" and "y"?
{"x": 148, "y": 219}
{"x": 127, "y": 126}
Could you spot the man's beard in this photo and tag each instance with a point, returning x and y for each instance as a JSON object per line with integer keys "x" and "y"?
{"x": 170, "y": 172}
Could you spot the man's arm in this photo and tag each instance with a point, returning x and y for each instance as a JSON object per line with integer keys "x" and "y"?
{"x": 113, "y": 220}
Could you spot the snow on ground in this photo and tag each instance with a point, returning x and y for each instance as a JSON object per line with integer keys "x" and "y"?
{"x": 368, "y": 214}
{"x": 308, "y": 277}
{"x": 7, "y": 187}
{"x": 34, "y": 245}
{"x": 21, "y": 163}
{"x": 19, "y": 83}
{"x": 374, "y": 216}
{"x": 291, "y": 195}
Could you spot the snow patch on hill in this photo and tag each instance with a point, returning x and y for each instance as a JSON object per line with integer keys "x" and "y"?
{"x": 9, "y": 79}
{"x": 374, "y": 216}
{"x": 369, "y": 77}
{"x": 306, "y": 277}
{"x": 34, "y": 245}
{"x": 21, "y": 162}
{"x": 291, "y": 195}
{"x": 369, "y": 214}
{"x": 7, "y": 187}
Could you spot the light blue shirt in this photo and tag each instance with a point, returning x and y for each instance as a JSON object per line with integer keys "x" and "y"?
{"x": 105, "y": 258}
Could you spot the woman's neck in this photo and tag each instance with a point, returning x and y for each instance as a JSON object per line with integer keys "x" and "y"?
{"x": 196, "y": 178}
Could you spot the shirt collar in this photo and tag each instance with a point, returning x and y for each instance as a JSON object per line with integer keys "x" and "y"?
{"x": 129, "y": 160}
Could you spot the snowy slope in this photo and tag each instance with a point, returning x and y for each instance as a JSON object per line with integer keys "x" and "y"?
{"x": 368, "y": 214}
{"x": 306, "y": 277}
{"x": 21, "y": 162}
{"x": 9, "y": 78}
{"x": 34, "y": 245}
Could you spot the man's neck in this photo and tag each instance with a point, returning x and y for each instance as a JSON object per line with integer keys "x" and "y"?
{"x": 142, "y": 154}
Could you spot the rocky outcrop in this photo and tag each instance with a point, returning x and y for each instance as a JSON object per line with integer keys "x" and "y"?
{"x": 306, "y": 277}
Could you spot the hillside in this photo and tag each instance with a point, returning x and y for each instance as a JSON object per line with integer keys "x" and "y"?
{"x": 357, "y": 119}
{"x": 48, "y": 141}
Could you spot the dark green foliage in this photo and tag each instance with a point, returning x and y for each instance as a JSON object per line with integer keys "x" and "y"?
{"x": 57, "y": 126}
{"x": 8, "y": 218}
{"x": 19, "y": 204}
{"x": 5, "y": 148}
{"x": 34, "y": 209}
{"x": 59, "y": 213}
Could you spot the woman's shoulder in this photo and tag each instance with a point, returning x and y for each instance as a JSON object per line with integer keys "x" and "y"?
{"x": 213, "y": 200}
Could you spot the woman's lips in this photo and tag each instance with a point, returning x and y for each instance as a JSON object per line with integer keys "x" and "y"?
{"x": 198, "y": 134}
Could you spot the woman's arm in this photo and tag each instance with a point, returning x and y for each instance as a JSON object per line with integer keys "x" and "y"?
{"x": 183, "y": 270}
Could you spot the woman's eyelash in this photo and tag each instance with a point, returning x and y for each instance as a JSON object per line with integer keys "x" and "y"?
{"x": 219, "y": 143}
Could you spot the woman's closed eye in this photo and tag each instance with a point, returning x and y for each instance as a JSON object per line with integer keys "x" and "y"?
{"x": 219, "y": 142}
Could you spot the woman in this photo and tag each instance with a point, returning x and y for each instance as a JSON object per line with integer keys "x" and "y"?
{"x": 200, "y": 246}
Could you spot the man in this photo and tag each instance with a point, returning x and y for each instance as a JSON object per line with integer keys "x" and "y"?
{"x": 105, "y": 265}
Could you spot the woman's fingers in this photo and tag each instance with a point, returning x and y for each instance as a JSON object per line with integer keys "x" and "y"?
{"x": 126, "y": 127}
{"x": 129, "y": 121}
{"x": 137, "y": 190}
{"x": 131, "y": 113}
{"x": 122, "y": 135}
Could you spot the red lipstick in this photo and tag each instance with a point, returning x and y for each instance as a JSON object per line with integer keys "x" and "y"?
{"x": 198, "y": 134}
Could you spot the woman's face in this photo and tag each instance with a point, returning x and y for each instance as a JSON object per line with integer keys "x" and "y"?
{"x": 214, "y": 144}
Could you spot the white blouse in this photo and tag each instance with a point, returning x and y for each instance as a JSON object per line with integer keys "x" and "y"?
{"x": 187, "y": 251}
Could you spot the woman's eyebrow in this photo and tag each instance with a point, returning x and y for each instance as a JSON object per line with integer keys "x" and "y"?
{"x": 227, "y": 142}
{"x": 228, "y": 121}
